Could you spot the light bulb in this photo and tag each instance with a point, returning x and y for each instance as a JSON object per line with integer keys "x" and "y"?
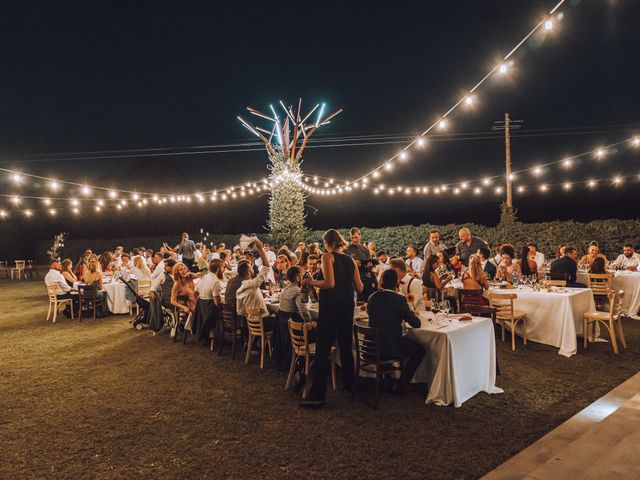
{"x": 28, "y": 213}
{"x": 567, "y": 163}
{"x": 403, "y": 155}
{"x": 548, "y": 25}
{"x": 442, "y": 124}
{"x": 421, "y": 142}
{"x": 17, "y": 178}
{"x": 469, "y": 99}
{"x": 503, "y": 68}
{"x": 53, "y": 185}
{"x": 86, "y": 191}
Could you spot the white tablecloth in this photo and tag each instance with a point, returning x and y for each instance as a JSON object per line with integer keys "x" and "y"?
{"x": 459, "y": 360}
{"x": 627, "y": 281}
{"x": 553, "y": 318}
{"x": 116, "y": 301}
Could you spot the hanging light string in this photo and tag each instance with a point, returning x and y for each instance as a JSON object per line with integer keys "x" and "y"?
{"x": 566, "y": 162}
{"x": 547, "y": 24}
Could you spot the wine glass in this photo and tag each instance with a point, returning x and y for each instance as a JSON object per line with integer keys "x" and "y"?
{"x": 445, "y": 307}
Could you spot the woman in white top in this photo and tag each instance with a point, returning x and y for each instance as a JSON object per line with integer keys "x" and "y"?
{"x": 209, "y": 307}
{"x": 140, "y": 270}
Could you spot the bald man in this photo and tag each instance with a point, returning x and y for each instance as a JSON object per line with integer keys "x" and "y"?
{"x": 467, "y": 245}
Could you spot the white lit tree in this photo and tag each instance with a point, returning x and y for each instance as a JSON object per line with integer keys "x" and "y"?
{"x": 290, "y": 135}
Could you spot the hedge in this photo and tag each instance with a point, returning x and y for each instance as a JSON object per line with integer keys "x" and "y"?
{"x": 611, "y": 234}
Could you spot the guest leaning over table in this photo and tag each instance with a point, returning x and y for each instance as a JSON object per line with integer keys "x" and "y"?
{"x": 387, "y": 310}
{"x": 335, "y": 315}
{"x": 629, "y": 259}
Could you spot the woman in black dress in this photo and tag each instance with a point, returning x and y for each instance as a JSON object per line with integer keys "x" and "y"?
{"x": 335, "y": 315}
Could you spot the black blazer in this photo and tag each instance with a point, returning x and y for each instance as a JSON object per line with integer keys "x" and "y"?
{"x": 386, "y": 311}
{"x": 490, "y": 269}
{"x": 566, "y": 266}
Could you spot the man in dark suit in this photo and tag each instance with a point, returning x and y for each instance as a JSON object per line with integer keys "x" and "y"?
{"x": 567, "y": 267}
{"x": 487, "y": 263}
{"x": 387, "y": 309}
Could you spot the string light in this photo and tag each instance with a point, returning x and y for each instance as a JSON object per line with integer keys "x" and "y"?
{"x": 17, "y": 178}
{"x": 86, "y": 191}
{"x": 548, "y": 25}
{"x": 442, "y": 124}
{"x": 3, "y": 214}
{"x": 635, "y": 141}
{"x": 53, "y": 185}
{"x": 600, "y": 153}
{"x": 567, "y": 163}
{"x": 28, "y": 213}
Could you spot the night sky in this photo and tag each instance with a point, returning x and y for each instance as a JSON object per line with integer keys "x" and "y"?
{"x": 102, "y": 76}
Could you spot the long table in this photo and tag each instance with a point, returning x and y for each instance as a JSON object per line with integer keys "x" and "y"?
{"x": 117, "y": 302}
{"x": 553, "y": 318}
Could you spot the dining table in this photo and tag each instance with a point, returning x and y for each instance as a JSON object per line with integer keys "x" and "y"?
{"x": 554, "y": 317}
{"x": 629, "y": 282}
{"x": 117, "y": 302}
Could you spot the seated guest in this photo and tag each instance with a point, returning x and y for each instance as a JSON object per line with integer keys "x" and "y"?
{"x": 413, "y": 260}
{"x": 106, "y": 262}
{"x": 488, "y": 267}
{"x": 280, "y": 269}
{"x": 234, "y": 283}
{"x": 66, "y": 268}
{"x": 313, "y": 272}
{"x": 183, "y": 293}
{"x": 117, "y": 255}
{"x": 55, "y": 277}
{"x": 299, "y": 249}
{"x": 508, "y": 270}
{"x": 372, "y": 249}
{"x": 598, "y": 266}
{"x": 312, "y": 266}
{"x": 432, "y": 279}
{"x": 291, "y": 303}
{"x": 139, "y": 270}
{"x": 409, "y": 286}
{"x": 387, "y": 310}
{"x": 528, "y": 264}
{"x": 567, "y": 266}
{"x": 444, "y": 262}
{"x": 383, "y": 264}
{"x": 497, "y": 259}
{"x": 289, "y": 254}
{"x": 474, "y": 278}
{"x": 533, "y": 251}
{"x": 163, "y": 283}
{"x": 592, "y": 253}
{"x": 93, "y": 277}
{"x": 157, "y": 267}
{"x": 81, "y": 265}
{"x": 125, "y": 265}
{"x": 249, "y": 294}
{"x": 560, "y": 250}
{"x": 629, "y": 259}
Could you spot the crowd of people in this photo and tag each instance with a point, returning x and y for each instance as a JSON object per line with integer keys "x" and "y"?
{"x": 199, "y": 281}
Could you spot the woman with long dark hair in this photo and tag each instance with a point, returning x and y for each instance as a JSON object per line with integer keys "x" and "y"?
{"x": 528, "y": 265}
{"x": 335, "y": 315}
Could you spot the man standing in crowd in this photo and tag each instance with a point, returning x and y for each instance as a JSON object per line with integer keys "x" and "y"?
{"x": 629, "y": 259}
{"x": 567, "y": 267}
{"x": 467, "y": 246}
{"x": 187, "y": 249}
{"x": 356, "y": 249}
{"x": 434, "y": 245}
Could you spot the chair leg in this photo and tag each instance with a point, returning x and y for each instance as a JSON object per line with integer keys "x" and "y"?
{"x": 55, "y": 312}
{"x": 292, "y": 369}
{"x": 524, "y": 330}
{"x": 513, "y": 336}
{"x": 333, "y": 370}
{"x": 261, "y": 352}
{"x": 49, "y": 310}
{"x": 71, "y": 308}
{"x": 585, "y": 331}
{"x": 246, "y": 358}
{"x": 502, "y": 325}
{"x": 612, "y": 332}
{"x": 377, "y": 388}
{"x": 355, "y": 378}
{"x": 620, "y": 332}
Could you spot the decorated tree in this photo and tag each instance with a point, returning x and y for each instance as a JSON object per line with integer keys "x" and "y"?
{"x": 285, "y": 142}
{"x": 57, "y": 246}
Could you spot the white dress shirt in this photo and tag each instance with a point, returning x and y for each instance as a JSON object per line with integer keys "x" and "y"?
{"x": 158, "y": 270}
{"x": 55, "y": 277}
{"x": 249, "y": 294}
{"x": 539, "y": 259}
{"x": 623, "y": 261}
{"x": 415, "y": 290}
{"x": 209, "y": 287}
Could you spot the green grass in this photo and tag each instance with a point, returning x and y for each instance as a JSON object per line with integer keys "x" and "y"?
{"x": 98, "y": 400}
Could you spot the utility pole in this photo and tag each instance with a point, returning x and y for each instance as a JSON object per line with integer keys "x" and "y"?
{"x": 507, "y": 124}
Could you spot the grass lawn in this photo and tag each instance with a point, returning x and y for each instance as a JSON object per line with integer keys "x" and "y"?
{"x": 99, "y": 400}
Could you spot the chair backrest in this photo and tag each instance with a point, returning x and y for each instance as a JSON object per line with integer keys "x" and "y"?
{"x": 254, "y": 321}
{"x": 52, "y": 291}
{"x": 615, "y": 303}
{"x": 600, "y": 283}
{"x": 367, "y": 342}
{"x": 299, "y": 338}
{"x": 558, "y": 276}
{"x": 469, "y": 298}
{"x": 503, "y": 303}
{"x": 227, "y": 314}
{"x": 557, "y": 283}
{"x": 20, "y": 264}
{"x": 87, "y": 292}
{"x": 143, "y": 287}
{"x": 29, "y": 264}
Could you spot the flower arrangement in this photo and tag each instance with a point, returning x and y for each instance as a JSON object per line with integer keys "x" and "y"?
{"x": 57, "y": 246}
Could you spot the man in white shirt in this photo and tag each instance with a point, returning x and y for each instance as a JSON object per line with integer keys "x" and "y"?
{"x": 249, "y": 294}
{"x": 533, "y": 250}
{"x": 629, "y": 259}
{"x": 409, "y": 286}
{"x": 413, "y": 260}
{"x": 117, "y": 255}
{"x": 157, "y": 265}
{"x": 54, "y": 277}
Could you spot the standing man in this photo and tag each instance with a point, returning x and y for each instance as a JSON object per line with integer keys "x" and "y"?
{"x": 467, "y": 246}
{"x": 187, "y": 249}
{"x": 434, "y": 245}
{"x": 356, "y": 249}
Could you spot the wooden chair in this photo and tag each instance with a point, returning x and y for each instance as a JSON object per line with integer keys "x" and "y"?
{"x": 611, "y": 320}
{"x": 369, "y": 359}
{"x": 503, "y": 303}
{"x": 142, "y": 288}
{"x": 229, "y": 327}
{"x": 255, "y": 325}
{"x": 89, "y": 300}
{"x": 557, "y": 283}
{"x": 30, "y": 270}
{"x": 55, "y": 302}
{"x": 600, "y": 285}
{"x": 4, "y": 267}
{"x": 19, "y": 268}
{"x": 301, "y": 348}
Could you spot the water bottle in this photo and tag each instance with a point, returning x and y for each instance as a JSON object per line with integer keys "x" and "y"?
{"x": 515, "y": 280}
